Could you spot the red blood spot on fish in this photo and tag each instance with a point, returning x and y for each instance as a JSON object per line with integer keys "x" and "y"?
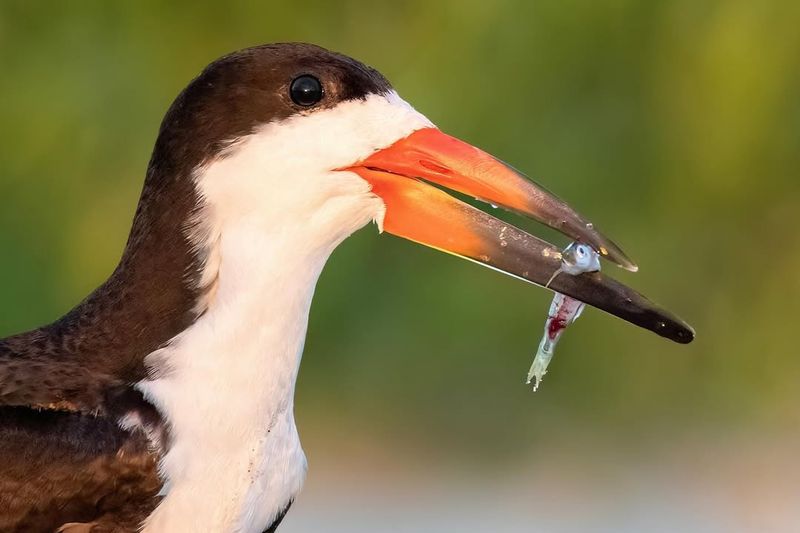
{"x": 555, "y": 326}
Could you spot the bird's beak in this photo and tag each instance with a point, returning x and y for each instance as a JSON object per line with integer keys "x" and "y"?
{"x": 425, "y": 214}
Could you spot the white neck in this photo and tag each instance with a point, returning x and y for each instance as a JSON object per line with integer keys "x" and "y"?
{"x": 225, "y": 385}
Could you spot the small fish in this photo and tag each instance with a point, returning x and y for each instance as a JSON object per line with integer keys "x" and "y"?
{"x": 575, "y": 259}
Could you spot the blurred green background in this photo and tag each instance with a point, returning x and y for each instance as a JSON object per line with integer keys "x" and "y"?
{"x": 675, "y": 126}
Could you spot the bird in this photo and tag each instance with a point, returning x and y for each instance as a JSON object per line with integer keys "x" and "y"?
{"x": 164, "y": 401}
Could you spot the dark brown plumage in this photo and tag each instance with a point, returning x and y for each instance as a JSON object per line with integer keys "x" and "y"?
{"x": 64, "y": 387}
{"x": 61, "y": 464}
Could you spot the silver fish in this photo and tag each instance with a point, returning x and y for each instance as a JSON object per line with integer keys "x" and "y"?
{"x": 576, "y": 259}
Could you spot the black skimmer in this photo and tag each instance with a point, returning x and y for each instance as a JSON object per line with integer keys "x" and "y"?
{"x": 164, "y": 400}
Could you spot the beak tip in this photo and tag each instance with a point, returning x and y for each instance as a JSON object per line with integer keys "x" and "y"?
{"x": 687, "y": 335}
{"x": 610, "y": 251}
{"x": 621, "y": 260}
{"x": 674, "y": 329}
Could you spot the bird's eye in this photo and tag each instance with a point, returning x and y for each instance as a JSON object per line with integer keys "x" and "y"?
{"x": 306, "y": 90}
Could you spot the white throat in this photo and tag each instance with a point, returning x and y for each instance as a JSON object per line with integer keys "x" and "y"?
{"x": 226, "y": 384}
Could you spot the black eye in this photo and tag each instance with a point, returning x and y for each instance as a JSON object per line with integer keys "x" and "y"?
{"x": 306, "y": 90}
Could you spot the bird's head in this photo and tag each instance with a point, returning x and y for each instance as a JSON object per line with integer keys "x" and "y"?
{"x": 294, "y": 142}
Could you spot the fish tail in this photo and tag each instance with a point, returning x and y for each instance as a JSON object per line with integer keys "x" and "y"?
{"x": 544, "y": 354}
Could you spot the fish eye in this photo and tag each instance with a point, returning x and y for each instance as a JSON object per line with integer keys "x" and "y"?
{"x": 306, "y": 90}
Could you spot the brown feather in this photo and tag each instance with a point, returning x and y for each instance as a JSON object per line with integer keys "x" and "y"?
{"x": 63, "y": 467}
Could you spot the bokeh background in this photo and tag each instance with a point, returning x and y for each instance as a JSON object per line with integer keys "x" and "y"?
{"x": 673, "y": 125}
